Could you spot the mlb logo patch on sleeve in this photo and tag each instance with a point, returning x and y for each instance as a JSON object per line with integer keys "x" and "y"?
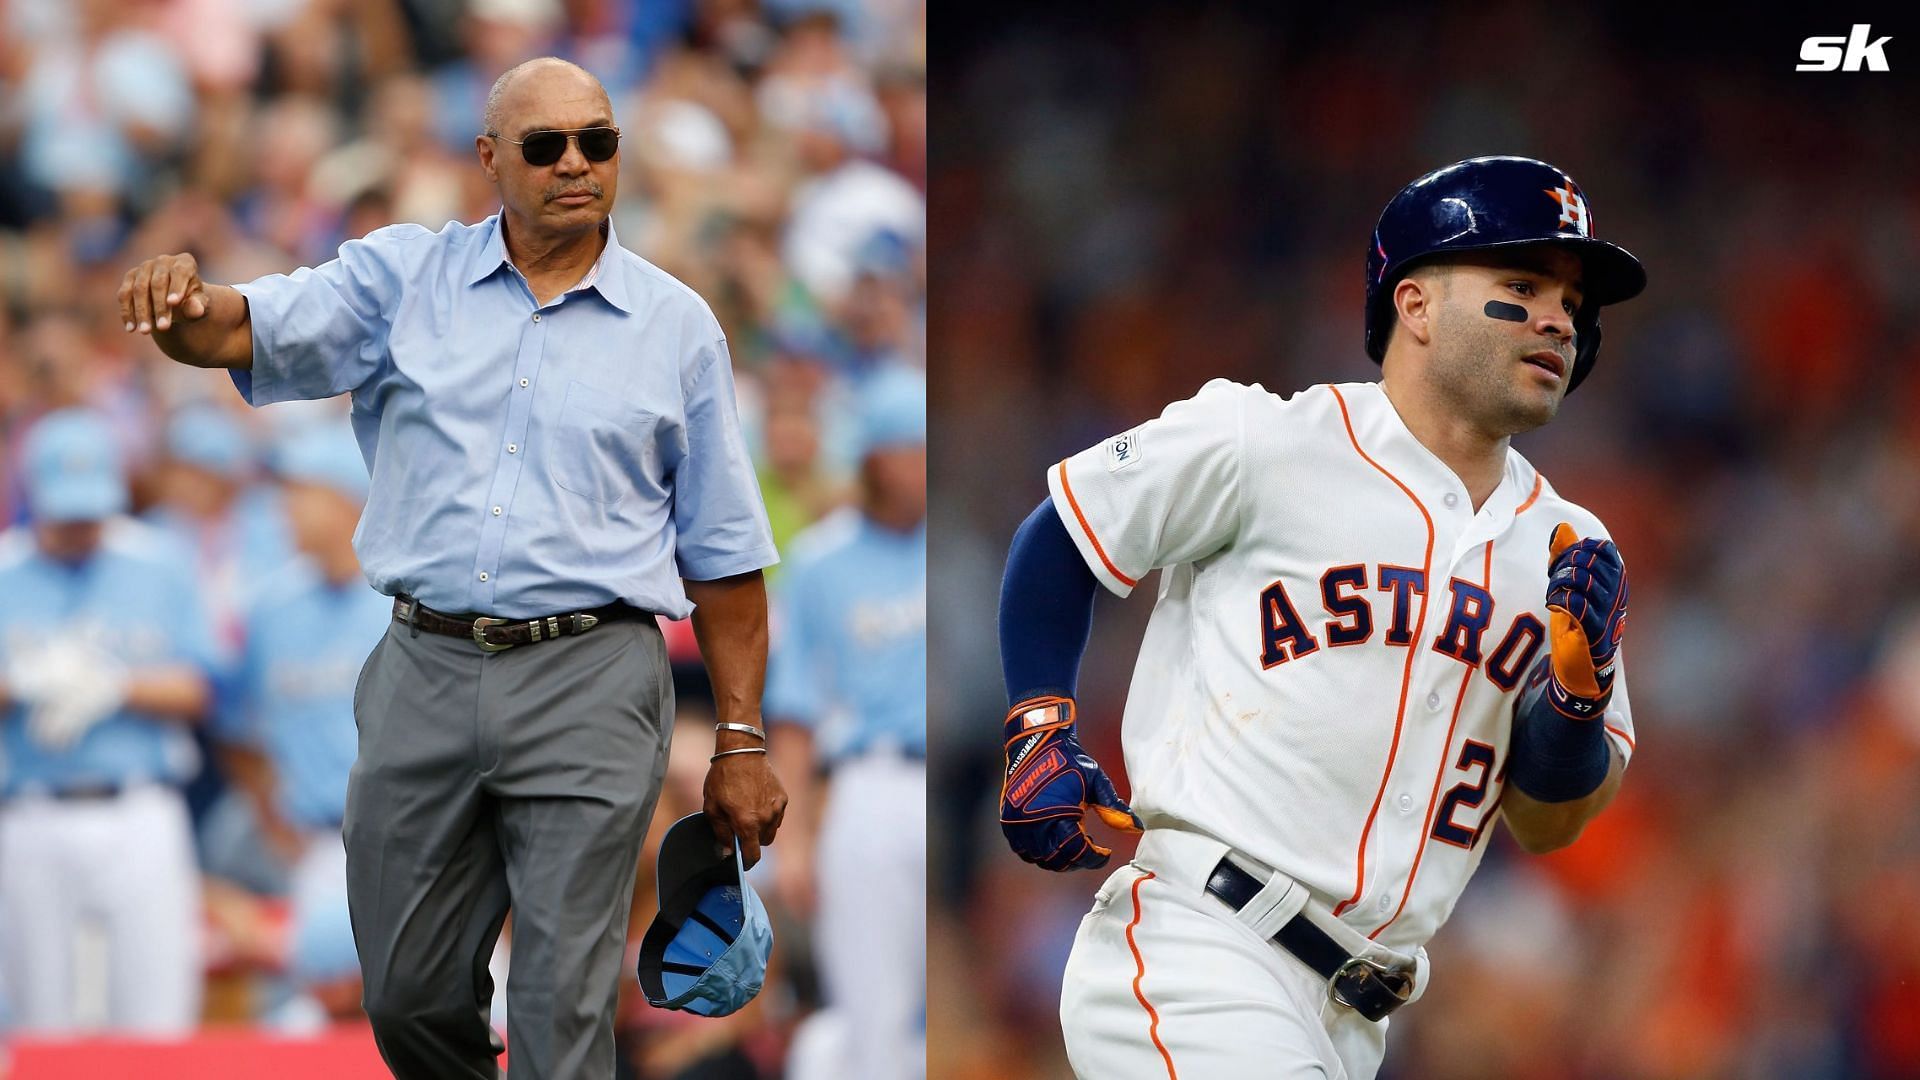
{"x": 1123, "y": 450}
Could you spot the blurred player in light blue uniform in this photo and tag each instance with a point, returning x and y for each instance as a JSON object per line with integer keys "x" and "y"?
{"x": 105, "y": 655}
{"x": 288, "y": 735}
{"x": 233, "y": 528}
{"x": 847, "y": 687}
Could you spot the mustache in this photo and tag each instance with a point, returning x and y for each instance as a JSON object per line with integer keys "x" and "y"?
{"x": 592, "y": 189}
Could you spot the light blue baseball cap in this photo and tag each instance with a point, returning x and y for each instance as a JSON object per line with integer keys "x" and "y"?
{"x": 71, "y": 467}
{"x": 706, "y": 952}
{"x": 323, "y": 454}
{"x": 209, "y": 437}
{"x": 892, "y": 409}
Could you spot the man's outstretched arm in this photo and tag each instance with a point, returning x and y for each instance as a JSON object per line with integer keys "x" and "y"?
{"x": 192, "y": 321}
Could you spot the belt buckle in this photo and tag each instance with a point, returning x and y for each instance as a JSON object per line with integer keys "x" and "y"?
{"x": 1356, "y": 969}
{"x": 480, "y": 633}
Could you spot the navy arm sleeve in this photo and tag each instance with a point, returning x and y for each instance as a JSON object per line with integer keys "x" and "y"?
{"x": 1554, "y": 757}
{"x": 1046, "y": 609}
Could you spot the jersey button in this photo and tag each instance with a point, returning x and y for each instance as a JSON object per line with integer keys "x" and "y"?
{"x": 1386, "y": 902}
{"x": 483, "y": 575}
{"x": 513, "y": 448}
{"x": 496, "y": 511}
{"x": 523, "y": 382}
{"x": 1406, "y": 804}
{"x": 1433, "y": 701}
{"x": 1451, "y": 499}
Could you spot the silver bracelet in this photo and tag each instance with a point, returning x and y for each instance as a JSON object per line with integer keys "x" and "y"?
{"x": 747, "y": 729}
{"x": 739, "y": 750}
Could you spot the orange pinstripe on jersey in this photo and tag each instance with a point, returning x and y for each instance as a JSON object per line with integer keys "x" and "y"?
{"x": 1446, "y": 761}
{"x": 1539, "y": 482}
{"x": 1088, "y": 529}
{"x": 1140, "y": 972}
{"x": 1406, "y": 675}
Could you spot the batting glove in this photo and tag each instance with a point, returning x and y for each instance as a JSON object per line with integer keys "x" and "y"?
{"x": 1050, "y": 781}
{"x": 1587, "y": 609}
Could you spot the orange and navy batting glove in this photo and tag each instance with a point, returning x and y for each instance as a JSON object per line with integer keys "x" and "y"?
{"x": 1049, "y": 783}
{"x": 1587, "y": 610}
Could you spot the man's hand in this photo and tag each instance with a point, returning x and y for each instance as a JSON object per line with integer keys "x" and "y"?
{"x": 744, "y": 798}
{"x": 161, "y": 290}
{"x": 1049, "y": 782}
{"x": 1587, "y": 607}
{"x": 207, "y": 326}
{"x": 744, "y": 801}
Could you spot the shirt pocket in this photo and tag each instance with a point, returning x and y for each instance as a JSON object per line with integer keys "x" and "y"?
{"x": 599, "y": 448}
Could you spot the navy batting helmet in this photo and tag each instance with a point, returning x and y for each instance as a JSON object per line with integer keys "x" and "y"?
{"x": 1496, "y": 202}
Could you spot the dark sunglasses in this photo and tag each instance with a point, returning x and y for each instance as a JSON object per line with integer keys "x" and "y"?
{"x": 547, "y": 147}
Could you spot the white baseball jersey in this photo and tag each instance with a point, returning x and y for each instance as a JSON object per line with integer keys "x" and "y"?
{"x": 1328, "y": 680}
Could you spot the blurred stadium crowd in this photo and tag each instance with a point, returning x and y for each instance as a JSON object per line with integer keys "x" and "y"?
{"x": 1124, "y": 210}
{"x": 774, "y": 159}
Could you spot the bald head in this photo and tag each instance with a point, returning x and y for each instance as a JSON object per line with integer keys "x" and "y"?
{"x": 560, "y": 193}
{"x": 523, "y": 95}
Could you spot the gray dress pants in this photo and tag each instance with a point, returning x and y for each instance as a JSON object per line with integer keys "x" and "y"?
{"x": 522, "y": 778}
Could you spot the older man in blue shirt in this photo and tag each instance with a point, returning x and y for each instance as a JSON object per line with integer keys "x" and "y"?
{"x": 556, "y": 458}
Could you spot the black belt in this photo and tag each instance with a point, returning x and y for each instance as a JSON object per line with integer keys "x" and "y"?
{"x": 1366, "y": 986}
{"x": 105, "y": 789}
{"x": 493, "y": 634}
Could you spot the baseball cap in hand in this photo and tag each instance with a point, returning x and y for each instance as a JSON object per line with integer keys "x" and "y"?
{"x": 706, "y": 952}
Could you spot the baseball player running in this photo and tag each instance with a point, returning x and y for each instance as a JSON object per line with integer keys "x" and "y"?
{"x": 1379, "y": 628}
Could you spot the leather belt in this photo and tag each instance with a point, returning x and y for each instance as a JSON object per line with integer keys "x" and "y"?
{"x": 495, "y": 635}
{"x": 1366, "y": 986}
{"x": 95, "y": 792}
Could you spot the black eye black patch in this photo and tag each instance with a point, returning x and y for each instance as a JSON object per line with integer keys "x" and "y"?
{"x": 1509, "y": 312}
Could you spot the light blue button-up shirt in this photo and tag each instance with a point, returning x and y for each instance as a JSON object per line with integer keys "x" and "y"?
{"x": 306, "y": 643}
{"x": 849, "y": 656}
{"x": 135, "y": 598}
{"x": 526, "y": 460}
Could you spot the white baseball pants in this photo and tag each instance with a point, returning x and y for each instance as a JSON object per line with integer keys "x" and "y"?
{"x": 122, "y": 871}
{"x": 1166, "y": 982}
{"x": 871, "y": 932}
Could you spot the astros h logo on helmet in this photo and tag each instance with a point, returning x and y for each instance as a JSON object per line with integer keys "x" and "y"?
{"x": 1573, "y": 209}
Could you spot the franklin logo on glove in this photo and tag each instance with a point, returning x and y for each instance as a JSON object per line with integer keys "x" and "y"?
{"x": 1050, "y": 782}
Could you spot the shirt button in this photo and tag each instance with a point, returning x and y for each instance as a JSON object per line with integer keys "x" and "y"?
{"x": 1433, "y": 701}
{"x": 536, "y": 316}
{"x": 483, "y": 575}
{"x": 1451, "y": 499}
{"x": 523, "y": 382}
{"x": 513, "y": 448}
{"x": 496, "y": 511}
{"x": 1386, "y": 902}
{"x": 1406, "y": 804}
